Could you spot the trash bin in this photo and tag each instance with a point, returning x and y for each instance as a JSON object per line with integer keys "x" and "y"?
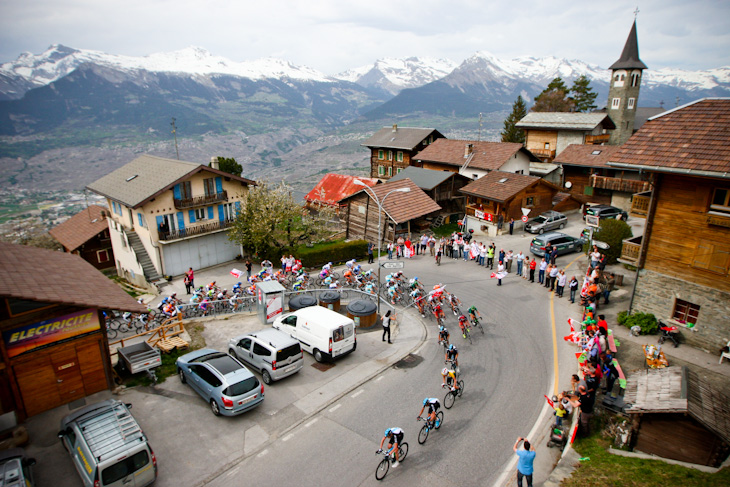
{"x": 363, "y": 312}
{"x": 302, "y": 301}
{"x": 330, "y": 300}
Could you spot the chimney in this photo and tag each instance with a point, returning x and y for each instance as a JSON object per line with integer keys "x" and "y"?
{"x": 395, "y": 127}
{"x": 214, "y": 163}
{"x": 468, "y": 150}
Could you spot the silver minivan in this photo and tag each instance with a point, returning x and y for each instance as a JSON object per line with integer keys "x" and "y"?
{"x": 273, "y": 353}
{"x": 108, "y": 447}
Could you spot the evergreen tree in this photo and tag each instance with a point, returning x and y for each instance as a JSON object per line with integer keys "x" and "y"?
{"x": 511, "y": 133}
{"x": 229, "y": 165}
{"x": 554, "y": 98}
{"x": 583, "y": 95}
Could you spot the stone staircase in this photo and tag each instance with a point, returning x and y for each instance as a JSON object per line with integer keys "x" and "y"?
{"x": 150, "y": 273}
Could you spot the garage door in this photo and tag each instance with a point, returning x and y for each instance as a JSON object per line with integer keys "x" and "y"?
{"x": 198, "y": 253}
{"x": 58, "y": 375}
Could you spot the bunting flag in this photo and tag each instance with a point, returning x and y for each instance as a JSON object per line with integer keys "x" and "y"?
{"x": 573, "y": 337}
{"x": 549, "y": 401}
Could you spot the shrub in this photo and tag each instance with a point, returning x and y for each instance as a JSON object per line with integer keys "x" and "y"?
{"x": 622, "y": 317}
{"x": 646, "y": 321}
{"x": 339, "y": 251}
{"x": 613, "y": 232}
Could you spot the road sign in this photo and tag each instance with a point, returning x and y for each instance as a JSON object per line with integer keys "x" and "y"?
{"x": 524, "y": 218}
{"x": 392, "y": 265}
{"x": 593, "y": 221}
{"x": 526, "y": 211}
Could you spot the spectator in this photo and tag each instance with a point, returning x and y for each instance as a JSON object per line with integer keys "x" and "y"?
{"x": 573, "y": 285}
{"x": 186, "y": 280}
{"x": 191, "y": 277}
{"x": 500, "y": 222}
{"x": 595, "y": 256}
{"x": 424, "y": 243}
{"x": 525, "y": 267}
{"x": 609, "y": 372}
{"x": 391, "y": 246}
{"x": 501, "y": 255}
{"x": 553, "y": 255}
{"x": 511, "y": 226}
{"x": 460, "y": 245}
{"x": 546, "y": 280}
{"x": 386, "y": 325}
{"x": 490, "y": 255}
{"x": 508, "y": 261}
{"x": 500, "y": 270}
{"x": 560, "y": 413}
{"x": 370, "y": 253}
{"x": 541, "y": 271}
{"x": 248, "y": 268}
{"x": 432, "y": 245}
{"x": 562, "y": 278}
{"x": 482, "y": 253}
{"x": 533, "y": 266}
{"x": 607, "y": 282}
{"x": 586, "y": 403}
{"x": 553, "y": 277}
{"x": 526, "y": 459}
{"x": 520, "y": 260}
{"x": 401, "y": 244}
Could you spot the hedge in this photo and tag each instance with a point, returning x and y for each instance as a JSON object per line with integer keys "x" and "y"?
{"x": 334, "y": 252}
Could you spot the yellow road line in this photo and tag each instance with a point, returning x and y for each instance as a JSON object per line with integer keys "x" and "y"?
{"x": 556, "y": 382}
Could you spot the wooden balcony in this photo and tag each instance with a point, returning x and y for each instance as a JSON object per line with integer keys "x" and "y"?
{"x": 640, "y": 204}
{"x": 483, "y": 214}
{"x": 204, "y": 200}
{"x": 597, "y": 139}
{"x": 194, "y": 231}
{"x": 630, "y": 251}
{"x": 543, "y": 153}
{"x": 619, "y": 184}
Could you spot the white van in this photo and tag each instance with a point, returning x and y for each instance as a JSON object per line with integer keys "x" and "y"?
{"x": 322, "y": 332}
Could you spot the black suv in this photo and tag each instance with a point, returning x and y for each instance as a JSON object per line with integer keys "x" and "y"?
{"x": 604, "y": 211}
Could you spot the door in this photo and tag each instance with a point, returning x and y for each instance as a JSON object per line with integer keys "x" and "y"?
{"x": 260, "y": 357}
{"x": 68, "y": 375}
{"x": 243, "y": 350}
{"x": 290, "y": 325}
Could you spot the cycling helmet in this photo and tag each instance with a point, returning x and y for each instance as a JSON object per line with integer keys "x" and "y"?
{"x": 415, "y": 278}
{"x": 425, "y": 401}
{"x": 388, "y": 432}
{"x": 452, "y": 347}
{"x": 442, "y": 327}
{"x": 444, "y": 371}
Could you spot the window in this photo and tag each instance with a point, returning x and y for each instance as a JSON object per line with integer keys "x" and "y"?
{"x": 390, "y": 155}
{"x": 390, "y": 171}
{"x": 616, "y": 78}
{"x": 200, "y": 214}
{"x": 713, "y": 257}
{"x": 623, "y": 77}
{"x": 686, "y": 312}
{"x": 721, "y": 200}
{"x": 616, "y": 103}
{"x": 595, "y": 152}
{"x": 398, "y": 170}
{"x": 529, "y": 201}
{"x": 399, "y": 156}
{"x": 140, "y": 219}
{"x": 381, "y": 155}
{"x": 186, "y": 190}
{"x": 245, "y": 344}
{"x": 635, "y": 79}
{"x": 547, "y": 145}
{"x": 102, "y": 256}
{"x": 261, "y": 350}
{"x": 381, "y": 170}
{"x": 228, "y": 211}
{"x": 124, "y": 468}
{"x": 631, "y": 103}
{"x": 209, "y": 186}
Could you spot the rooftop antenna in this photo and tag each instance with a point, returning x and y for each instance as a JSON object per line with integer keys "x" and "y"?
{"x": 661, "y": 104}
{"x": 480, "y": 127}
{"x": 174, "y": 133}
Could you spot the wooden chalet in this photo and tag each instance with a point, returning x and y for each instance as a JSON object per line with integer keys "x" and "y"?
{"x": 503, "y": 193}
{"x": 547, "y": 134}
{"x": 588, "y": 177}
{"x": 332, "y": 188}
{"x": 404, "y": 213}
{"x": 474, "y": 158}
{"x": 441, "y": 186}
{"x": 87, "y": 234}
{"x": 676, "y": 414}
{"x": 684, "y": 255}
{"x": 54, "y": 341}
{"x": 392, "y": 148}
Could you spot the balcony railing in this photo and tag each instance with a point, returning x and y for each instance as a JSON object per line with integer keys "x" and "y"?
{"x": 483, "y": 214}
{"x": 640, "y": 204}
{"x": 194, "y": 231}
{"x": 597, "y": 139}
{"x": 543, "y": 153}
{"x": 630, "y": 251}
{"x": 619, "y": 184}
{"x": 208, "y": 199}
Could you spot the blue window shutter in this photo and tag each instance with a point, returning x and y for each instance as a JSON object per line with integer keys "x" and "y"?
{"x": 176, "y": 191}
{"x": 221, "y": 217}
{"x": 139, "y": 218}
{"x": 219, "y": 184}
{"x": 211, "y": 213}
{"x": 159, "y": 221}
{"x": 180, "y": 221}
{"x": 191, "y": 216}
{"x": 238, "y": 207}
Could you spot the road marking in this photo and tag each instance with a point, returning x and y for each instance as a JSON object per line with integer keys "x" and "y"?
{"x": 287, "y": 437}
{"x": 263, "y": 453}
{"x": 311, "y": 423}
{"x": 379, "y": 378}
{"x": 357, "y": 393}
{"x": 335, "y": 408}
{"x": 233, "y": 472}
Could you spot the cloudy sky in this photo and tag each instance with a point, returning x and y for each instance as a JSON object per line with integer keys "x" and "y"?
{"x": 334, "y": 35}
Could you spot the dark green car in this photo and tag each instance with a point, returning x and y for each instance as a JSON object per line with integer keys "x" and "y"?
{"x": 565, "y": 243}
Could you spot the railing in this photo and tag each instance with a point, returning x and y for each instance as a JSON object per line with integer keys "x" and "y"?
{"x": 196, "y": 230}
{"x": 208, "y": 199}
{"x": 640, "y": 204}
{"x": 481, "y": 214}
{"x": 619, "y": 184}
{"x": 597, "y": 139}
{"x": 543, "y": 153}
{"x": 630, "y": 250}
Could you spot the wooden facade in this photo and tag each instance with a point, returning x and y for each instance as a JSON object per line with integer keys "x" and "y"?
{"x": 538, "y": 197}
{"x": 98, "y": 251}
{"x": 580, "y": 179}
{"x": 386, "y": 163}
{"x": 542, "y": 143}
{"x": 361, "y": 220}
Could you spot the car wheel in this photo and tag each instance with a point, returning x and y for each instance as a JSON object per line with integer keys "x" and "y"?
{"x": 541, "y": 231}
{"x": 214, "y": 407}
{"x": 562, "y": 225}
{"x": 232, "y": 353}
{"x": 318, "y": 355}
{"x": 266, "y": 376}
{"x": 182, "y": 376}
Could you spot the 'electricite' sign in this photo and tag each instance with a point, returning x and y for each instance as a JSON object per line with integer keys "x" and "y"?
{"x": 28, "y": 337}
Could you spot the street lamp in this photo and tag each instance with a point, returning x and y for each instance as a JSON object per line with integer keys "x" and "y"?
{"x": 380, "y": 203}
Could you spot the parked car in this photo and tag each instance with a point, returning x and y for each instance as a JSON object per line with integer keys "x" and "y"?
{"x": 324, "y": 333}
{"x": 15, "y": 468}
{"x": 107, "y": 446}
{"x": 564, "y": 243}
{"x": 606, "y": 211}
{"x": 272, "y": 352}
{"x": 224, "y": 382}
{"x": 550, "y": 220}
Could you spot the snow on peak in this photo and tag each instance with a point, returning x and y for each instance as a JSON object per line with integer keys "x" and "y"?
{"x": 395, "y": 74}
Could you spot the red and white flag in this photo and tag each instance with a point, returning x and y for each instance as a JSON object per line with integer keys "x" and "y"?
{"x": 236, "y": 273}
{"x": 549, "y": 401}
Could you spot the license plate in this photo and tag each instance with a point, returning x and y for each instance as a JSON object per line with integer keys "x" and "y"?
{"x": 246, "y": 401}
{"x": 290, "y": 368}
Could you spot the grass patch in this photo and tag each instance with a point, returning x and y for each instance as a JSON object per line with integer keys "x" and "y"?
{"x": 606, "y": 469}
{"x": 445, "y": 230}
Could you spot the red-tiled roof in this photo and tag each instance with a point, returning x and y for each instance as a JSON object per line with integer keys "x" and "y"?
{"x": 333, "y": 187}
{"x": 695, "y": 137}
{"x": 80, "y": 228}
{"x": 402, "y": 207}
{"x": 48, "y": 276}
{"x": 500, "y": 186}
{"x": 488, "y": 156}
{"x": 587, "y": 155}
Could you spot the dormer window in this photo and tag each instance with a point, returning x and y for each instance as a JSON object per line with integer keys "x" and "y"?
{"x": 595, "y": 152}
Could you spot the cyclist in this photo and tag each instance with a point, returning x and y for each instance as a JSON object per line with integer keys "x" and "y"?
{"x": 443, "y": 335}
{"x": 395, "y": 438}
{"x": 393, "y": 293}
{"x": 370, "y": 288}
{"x": 350, "y": 263}
{"x": 439, "y": 312}
{"x": 433, "y": 405}
{"x": 236, "y": 288}
{"x": 357, "y": 269}
{"x": 463, "y": 325}
{"x": 452, "y": 355}
{"x": 473, "y": 312}
{"x": 335, "y": 284}
{"x": 348, "y": 275}
{"x": 449, "y": 377}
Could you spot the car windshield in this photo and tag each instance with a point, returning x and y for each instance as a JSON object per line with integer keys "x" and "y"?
{"x": 240, "y": 388}
{"x": 539, "y": 219}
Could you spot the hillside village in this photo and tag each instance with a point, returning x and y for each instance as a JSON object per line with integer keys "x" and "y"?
{"x": 155, "y": 219}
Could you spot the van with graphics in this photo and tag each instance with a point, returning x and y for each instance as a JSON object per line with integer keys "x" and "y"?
{"x": 322, "y": 332}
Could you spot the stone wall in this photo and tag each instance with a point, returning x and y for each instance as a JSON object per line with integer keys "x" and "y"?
{"x": 657, "y": 293}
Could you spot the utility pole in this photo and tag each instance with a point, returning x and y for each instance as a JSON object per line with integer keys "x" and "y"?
{"x": 174, "y": 133}
{"x": 480, "y": 127}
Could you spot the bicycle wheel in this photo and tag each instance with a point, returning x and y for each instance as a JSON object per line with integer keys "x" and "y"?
{"x": 423, "y": 434}
{"x": 382, "y": 469}
{"x": 439, "y": 419}
{"x": 468, "y": 336}
{"x": 449, "y": 400}
{"x": 461, "y": 387}
{"x": 402, "y": 451}
{"x": 111, "y": 333}
{"x": 123, "y": 327}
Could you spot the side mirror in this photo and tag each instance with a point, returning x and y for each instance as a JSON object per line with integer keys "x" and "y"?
{"x": 30, "y": 462}
{"x": 62, "y": 433}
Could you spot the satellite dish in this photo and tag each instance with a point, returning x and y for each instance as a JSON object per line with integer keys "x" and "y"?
{"x": 568, "y": 184}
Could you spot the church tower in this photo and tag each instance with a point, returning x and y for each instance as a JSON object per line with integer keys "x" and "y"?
{"x": 623, "y": 94}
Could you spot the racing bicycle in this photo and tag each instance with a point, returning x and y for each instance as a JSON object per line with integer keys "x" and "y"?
{"x": 389, "y": 456}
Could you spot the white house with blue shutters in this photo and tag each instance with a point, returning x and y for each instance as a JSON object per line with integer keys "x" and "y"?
{"x": 169, "y": 215}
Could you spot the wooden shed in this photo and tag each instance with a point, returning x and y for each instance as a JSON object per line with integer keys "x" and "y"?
{"x": 676, "y": 414}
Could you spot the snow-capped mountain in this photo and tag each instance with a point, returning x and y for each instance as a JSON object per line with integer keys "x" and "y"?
{"x": 393, "y": 75}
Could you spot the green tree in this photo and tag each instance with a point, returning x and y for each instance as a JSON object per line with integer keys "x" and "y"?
{"x": 271, "y": 222}
{"x": 511, "y": 133}
{"x": 583, "y": 95}
{"x": 229, "y": 165}
{"x": 554, "y": 98}
{"x": 613, "y": 232}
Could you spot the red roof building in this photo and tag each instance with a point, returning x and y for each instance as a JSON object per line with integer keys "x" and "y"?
{"x": 334, "y": 187}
